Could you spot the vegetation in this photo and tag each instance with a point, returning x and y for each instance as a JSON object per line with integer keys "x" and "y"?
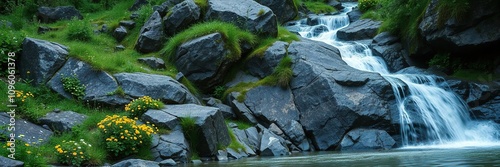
{"x": 315, "y": 6}
{"x": 365, "y": 5}
{"x": 139, "y": 106}
{"x": 73, "y": 86}
{"x": 219, "y": 91}
{"x": 79, "y": 30}
{"x": 28, "y": 153}
{"x": 73, "y": 152}
{"x": 191, "y": 131}
{"x": 10, "y": 41}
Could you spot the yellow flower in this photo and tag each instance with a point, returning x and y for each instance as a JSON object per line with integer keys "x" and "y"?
{"x": 81, "y": 152}
{"x": 29, "y": 152}
{"x": 74, "y": 153}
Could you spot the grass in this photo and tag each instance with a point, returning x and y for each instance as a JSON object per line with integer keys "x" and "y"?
{"x": 265, "y": 43}
{"x": 191, "y": 131}
{"x": 319, "y": 7}
{"x": 231, "y": 34}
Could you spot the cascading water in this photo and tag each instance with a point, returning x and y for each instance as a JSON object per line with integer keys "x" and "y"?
{"x": 430, "y": 114}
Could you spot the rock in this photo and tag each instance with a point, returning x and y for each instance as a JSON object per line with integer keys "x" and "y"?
{"x": 317, "y": 30}
{"x": 391, "y": 50}
{"x": 226, "y": 110}
{"x": 62, "y": 121}
{"x": 33, "y": 134}
{"x": 240, "y": 109}
{"x": 50, "y": 15}
{"x": 168, "y": 162}
{"x": 270, "y": 145}
{"x": 488, "y": 110}
{"x": 233, "y": 154}
{"x": 151, "y": 35}
{"x": 104, "y": 28}
{"x": 99, "y": 84}
{"x": 475, "y": 32}
{"x": 360, "y": 29}
{"x": 41, "y": 59}
{"x": 165, "y": 6}
{"x": 283, "y": 9}
{"x": 332, "y": 97}
{"x": 120, "y": 33}
{"x": 294, "y": 131}
{"x": 134, "y": 16}
{"x": 44, "y": 29}
{"x": 241, "y": 77}
{"x": 250, "y": 144}
{"x": 160, "y": 87}
{"x": 129, "y": 24}
{"x": 262, "y": 66}
{"x": 7, "y": 162}
{"x": 203, "y": 60}
{"x": 161, "y": 119}
{"x": 221, "y": 155}
{"x": 354, "y": 15}
{"x": 210, "y": 122}
{"x": 183, "y": 15}
{"x": 153, "y": 62}
{"x": 119, "y": 48}
{"x": 336, "y": 4}
{"x": 179, "y": 76}
{"x": 367, "y": 139}
{"x": 138, "y": 4}
{"x": 135, "y": 162}
{"x": 171, "y": 146}
{"x": 245, "y": 14}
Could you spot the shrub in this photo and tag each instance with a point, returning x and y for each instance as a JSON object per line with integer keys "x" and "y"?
{"x": 138, "y": 106}
{"x": 73, "y": 86}
{"x": 79, "y": 30}
{"x": 73, "y": 153}
{"x": 10, "y": 41}
{"x": 22, "y": 97}
{"x": 219, "y": 91}
{"x": 144, "y": 13}
{"x": 26, "y": 152}
{"x": 365, "y": 5}
{"x": 192, "y": 132}
{"x": 122, "y": 136}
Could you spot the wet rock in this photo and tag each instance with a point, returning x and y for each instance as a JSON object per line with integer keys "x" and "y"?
{"x": 171, "y": 146}
{"x": 183, "y": 15}
{"x": 488, "y": 110}
{"x": 151, "y": 35}
{"x": 168, "y": 162}
{"x": 41, "y": 59}
{"x": 226, "y": 110}
{"x": 50, "y": 15}
{"x": 136, "y": 162}
{"x": 354, "y": 15}
{"x": 283, "y": 9}
{"x": 360, "y": 29}
{"x": 271, "y": 145}
{"x": 62, "y": 121}
{"x": 367, "y": 139}
{"x": 391, "y": 50}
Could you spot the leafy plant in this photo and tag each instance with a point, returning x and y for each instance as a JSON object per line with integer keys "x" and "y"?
{"x": 73, "y": 153}
{"x": 28, "y": 153}
{"x": 123, "y": 136}
{"x": 365, "y": 5}
{"x": 79, "y": 30}
{"x": 192, "y": 132}
{"x": 219, "y": 91}
{"x": 10, "y": 41}
{"x": 73, "y": 86}
{"x": 137, "y": 107}
{"x": 144, "y": 13}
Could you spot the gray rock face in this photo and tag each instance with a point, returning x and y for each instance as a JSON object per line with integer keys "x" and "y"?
{"x": 354, "y": 15}
{"x": 50, "y": 15}
{"x": 250, "y": 143}
{"x": 98, "y": 83}
{"x": 240, "y": 109}
{"x": 360, "y": 29}
{"x": 138, "y": 4}
{"x": 62, "y": 121}
{"x": 168, "y": 162}
{"x": 161, "y": 119}
{"x": 209, "y": 121}
{"x": 7, "y": 162}
{"x": 475, "y": 32}
{"x": 203, "y": 60}
{"x": 136, "y": 162}
{"x": 283, "y": 9}
{"x": 40, "y": 60}
{"x": 333, "y": 97}
{"x": 153, "y": 62}
{"x": 367, "y": 139}
{"x": 271, "y": 145}
{"x": 488, "y": 111}
{"x": 336, "y": 4}
{"x": 226, "y": 110}
{"x": 129, "y": 24}
{"x": 165, "y": 6}
{"x": 245, "y": 14}
{"x": 240, "y": 78}
{"x": 151, "y": 35}
{"x": 183, "y": 15}
{"x": 31, "y": 132}
{"x": 265, "y": 65}
{"x": 171, "y": 146}
{"x": 391, "y": 50}
{"x": 160, "y": 87}
{"x": 120, "y": 33}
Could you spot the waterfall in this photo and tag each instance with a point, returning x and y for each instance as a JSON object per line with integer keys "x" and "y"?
{"x": 430, "y": 114}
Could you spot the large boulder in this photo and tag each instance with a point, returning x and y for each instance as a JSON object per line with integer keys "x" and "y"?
{"x": 41, "y": 59}
{"x": 262, "y": 66}
{"x": 391, "y": 50}
{"x": 50, "y": 15}
{"x": 120, "y": 33}
{"x": 164, "y": 7}
{"x": 160, "y": 87}
{"x": 367, "y": 139}
{"x": 170, "y": 146}
{"x": 203, "y": 60}
{"x": 476, "y": 31}
{"x": 136, "y": 162}
{"x": 283, "y": 9}
{"x": 138, "y": 4}
{"x": 153, "y": 62}
{"x": 245, "y": 14}
{"x": 24, "y": 130}
{"x": 354, "y": 15}
{"x": 99, "y": 84}
{"x": 151, "y": 35}
{"x": 7, "y": 162}
{"x": 360, "y": 29}
{"x": 183, "y": 15}
{"x": 272, "y": 145}
{"x": 333, "y": 97}
{"x": 62, "y": 121}
{"x": 209, "y": 122}
{"x": 488, "y": 111}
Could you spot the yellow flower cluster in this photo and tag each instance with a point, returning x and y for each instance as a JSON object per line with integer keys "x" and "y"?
{"x": 21, "y": 95}
{"x": 138, "y": 106}
{"x": 72, "y": 152}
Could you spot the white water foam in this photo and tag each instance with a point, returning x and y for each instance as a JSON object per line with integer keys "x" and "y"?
{"x": 430, "y": 114}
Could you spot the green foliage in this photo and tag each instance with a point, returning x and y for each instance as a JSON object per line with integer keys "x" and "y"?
{"x": 203, "y": 4}
{"x": 283, "y": 73}
{"x": 234, "y": 144}
{"x": 10, "y": 41}
{"x": 455, "y": 9}
{"x": 232, "y": 35}
{"x": 144, "y": 13}
{"x": 122, "y": 136}
{"x": 219, "y": 91}
{"x": 365, "y": 5}
{"x": 191, "y": 131}
{"x": 80, "y": 30}
{"x": 441, "y": 61}
{"x": 28, "y": 153}
{"x": 265, "y": 43}
{"x": 319, "y": 7}
{"x": 261, "y": 12}
{"x": 73, "y": 86}
{"x": 73, "y": 152}
{"x": 139, "y": 106}
{"x": 119, "y": 91}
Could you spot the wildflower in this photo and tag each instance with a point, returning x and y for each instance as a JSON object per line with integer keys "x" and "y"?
{"x": 74, "y": 153}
